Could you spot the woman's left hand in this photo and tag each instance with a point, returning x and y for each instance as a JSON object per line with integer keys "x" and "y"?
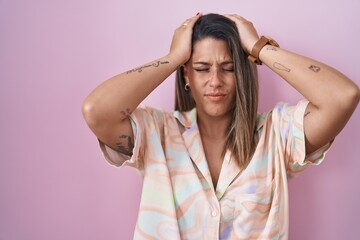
{"x": 247, "y": 31}
{"x": 333, "y": 97}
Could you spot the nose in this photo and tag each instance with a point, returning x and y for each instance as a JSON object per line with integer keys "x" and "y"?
{"x": 216, "y": 79}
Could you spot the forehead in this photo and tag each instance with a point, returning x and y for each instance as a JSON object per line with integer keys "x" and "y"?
{"x": 211, "y": 49}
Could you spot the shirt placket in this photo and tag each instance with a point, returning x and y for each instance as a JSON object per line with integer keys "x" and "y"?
{"x": 215, "y": 218}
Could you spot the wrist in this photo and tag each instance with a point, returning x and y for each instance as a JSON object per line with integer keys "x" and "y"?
{"x": 176, "y": 59}
{"x": 254, "y": 55}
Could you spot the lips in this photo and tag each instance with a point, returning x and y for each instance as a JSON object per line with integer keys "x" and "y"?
{"x": 215, "y": 94}
{"x": 215, "y": 97}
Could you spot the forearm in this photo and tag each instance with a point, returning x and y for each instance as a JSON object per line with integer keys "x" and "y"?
{"x": 117, "y": 97}
{"x": 322, "y": 85}
{"x": 333, "y": 97}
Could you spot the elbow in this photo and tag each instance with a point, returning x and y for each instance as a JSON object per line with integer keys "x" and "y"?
{"x": 354, "y": 97}
{"x": 357, "y": 95}
{"x": 89, "y": 113}
{"x": 351, "y": 98}
{"x": 97, "y": 116}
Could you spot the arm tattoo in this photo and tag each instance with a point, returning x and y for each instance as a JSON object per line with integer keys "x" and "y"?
{"x": 306, "y": 114}
{"x": 314, "y": 68}
{"x": 125, "y": 145}
{"x": 126, "y": 112}
{"x": 155, "y": 64}
{"x": 271, "y": 48}
{"x": 281, "y": 67}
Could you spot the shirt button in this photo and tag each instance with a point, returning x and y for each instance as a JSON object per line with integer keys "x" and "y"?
{"x": 214, "y": 213}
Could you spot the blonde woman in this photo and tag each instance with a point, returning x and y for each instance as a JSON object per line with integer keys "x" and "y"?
{"x": 214, "y": 168}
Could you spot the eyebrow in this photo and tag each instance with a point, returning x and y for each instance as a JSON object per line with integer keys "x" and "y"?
{"x": 208, "y": 64}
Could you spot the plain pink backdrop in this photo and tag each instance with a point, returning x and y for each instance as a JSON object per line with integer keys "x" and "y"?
{"x": 54, "y": 183}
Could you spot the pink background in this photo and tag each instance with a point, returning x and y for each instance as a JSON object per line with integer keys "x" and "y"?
{"x": 54, "y": 183}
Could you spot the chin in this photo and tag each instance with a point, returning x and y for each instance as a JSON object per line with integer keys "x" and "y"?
{"x": 218, "y": 112}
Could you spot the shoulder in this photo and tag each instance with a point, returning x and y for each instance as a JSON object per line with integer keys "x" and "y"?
{"x": 283, "y": 112}
{"x": 148, "y": 113}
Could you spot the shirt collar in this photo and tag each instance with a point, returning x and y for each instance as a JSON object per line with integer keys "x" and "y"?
{"x": 187, "y": 119}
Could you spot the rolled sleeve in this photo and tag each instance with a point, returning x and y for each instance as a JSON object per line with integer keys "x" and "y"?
{"x": 138, "y": 119}
{"x": 291, "y": 127}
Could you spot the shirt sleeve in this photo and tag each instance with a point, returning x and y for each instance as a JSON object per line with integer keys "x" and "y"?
{"x": 144, "y": 122}
{"x": 290, "y": 121}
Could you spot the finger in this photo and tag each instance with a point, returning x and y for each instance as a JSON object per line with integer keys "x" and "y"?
{"x": 191, "y": 21}
{"x": 235, "y": 17}
{"x": 185, "y": 23}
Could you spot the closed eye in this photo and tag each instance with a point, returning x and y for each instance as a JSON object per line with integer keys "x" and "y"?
{"x": 202, "y": 69}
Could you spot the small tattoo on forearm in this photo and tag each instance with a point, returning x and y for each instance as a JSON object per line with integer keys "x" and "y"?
{"x": 306, "y": 114}
{"x": 155, "y": 64}
{"x": 281, "y": 67}
{"x": 314, "y": 68}
{"x": 272, "y": 48}
{"x": 126, "y": 112}
{"x": 125, "y": 144}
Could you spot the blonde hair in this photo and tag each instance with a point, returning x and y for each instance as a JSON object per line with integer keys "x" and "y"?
{"x": 241, "y": 140}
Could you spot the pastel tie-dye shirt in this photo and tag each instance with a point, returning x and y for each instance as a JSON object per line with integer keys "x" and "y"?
{"x": 178, "y": 198}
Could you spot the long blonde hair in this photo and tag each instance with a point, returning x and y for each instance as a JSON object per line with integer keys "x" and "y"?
{"x": 241, "y": 139}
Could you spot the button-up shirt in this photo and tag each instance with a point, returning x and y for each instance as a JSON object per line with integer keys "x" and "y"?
{"x": 179, "y": 200}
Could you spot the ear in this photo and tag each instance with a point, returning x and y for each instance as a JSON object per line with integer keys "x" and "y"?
{"x": 186, "y": 73}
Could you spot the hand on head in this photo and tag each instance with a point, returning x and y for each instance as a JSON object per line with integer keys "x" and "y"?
{"x": 181, "y": 42}
{"x": 247, "y": 31}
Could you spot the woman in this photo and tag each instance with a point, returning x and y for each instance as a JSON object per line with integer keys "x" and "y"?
{"x": 214, "y": 169}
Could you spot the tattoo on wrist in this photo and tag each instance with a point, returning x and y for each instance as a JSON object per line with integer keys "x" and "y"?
{"x": 281, "y": 67}
{"x": 271, "y": 48}
{"x": 126, "y": 112}
{"x": 125, "y": 145}
{"x": 155, "y": 64}
{"x": 306, "y": 114}
{"x": 314, "y": 68}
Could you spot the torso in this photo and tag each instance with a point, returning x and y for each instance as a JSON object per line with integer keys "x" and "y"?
{"x": 214, "y": 149}
{"x": 214, "y": 153}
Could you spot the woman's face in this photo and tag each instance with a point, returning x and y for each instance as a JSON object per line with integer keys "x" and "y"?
{"x": 210, "y": 73}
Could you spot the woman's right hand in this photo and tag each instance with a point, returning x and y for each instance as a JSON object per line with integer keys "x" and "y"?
{"x": 181, "y": 43}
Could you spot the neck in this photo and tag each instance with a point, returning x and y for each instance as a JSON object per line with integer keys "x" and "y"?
{"x": 214, "y": 127}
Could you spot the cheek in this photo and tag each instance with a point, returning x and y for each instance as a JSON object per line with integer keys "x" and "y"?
{"x": 196, "y": 92}
{"x": 232, "y": 83}
{"x": 233, "y": 90}
{"x": 197, "y": 81}
{"x": 199, "y": 77}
